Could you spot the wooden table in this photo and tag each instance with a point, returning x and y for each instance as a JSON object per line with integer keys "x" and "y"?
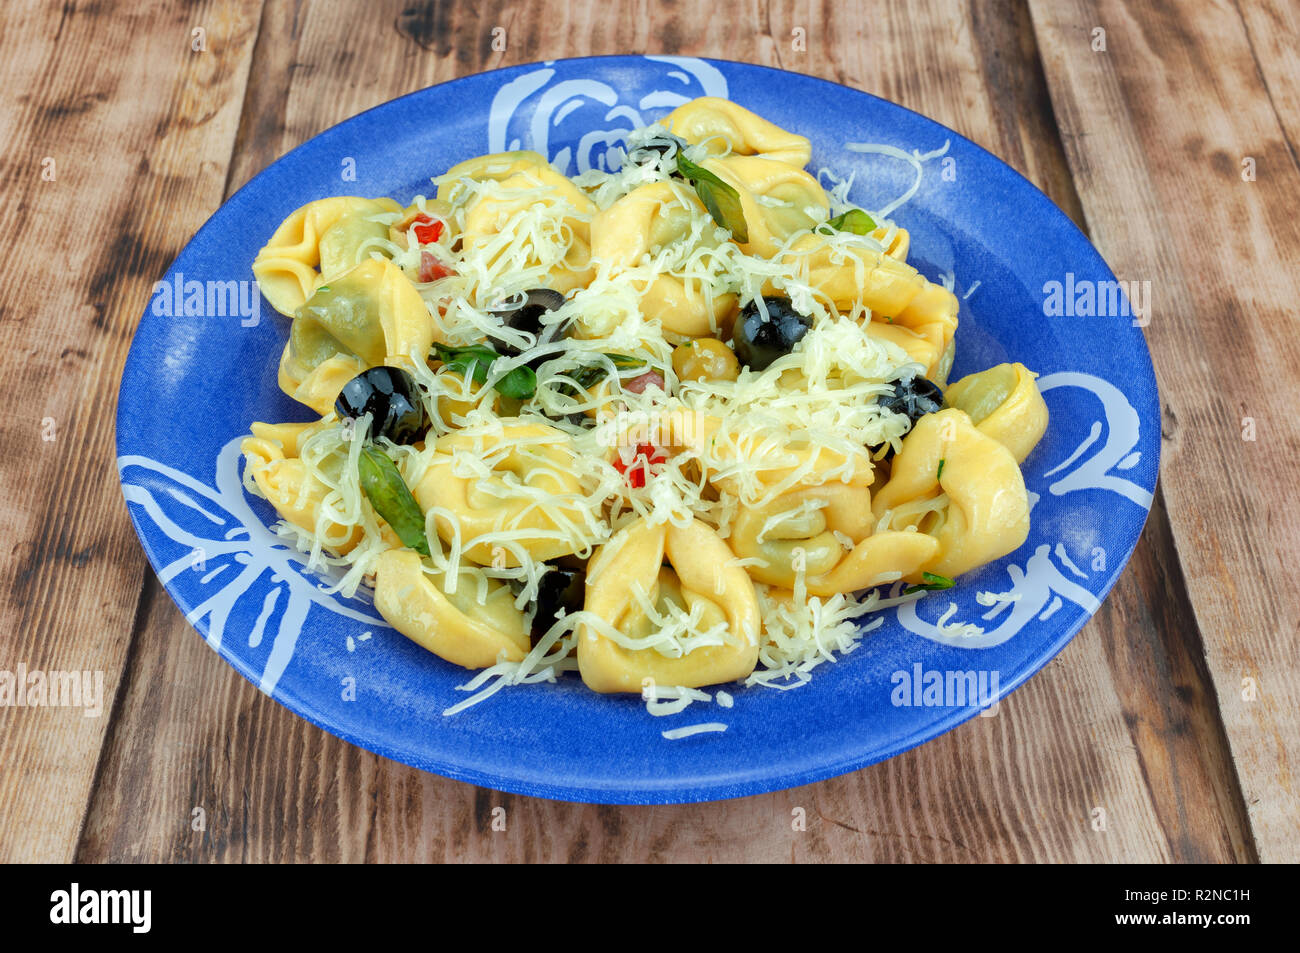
{"x": 1169, "y": 729}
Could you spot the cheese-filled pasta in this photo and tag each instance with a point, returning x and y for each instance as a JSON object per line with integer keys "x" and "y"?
{"x": 1004, "y": 403}
{"x": 778, "y": 200}
{"x": 318, "y": 241}
{"x": 721, "y": 127}
{"x": 516, "y": 486}
{"x": 652, "y": 591}
{"x": 959, "y": 486}
{"x": 456, "y": 625}
{"x": 675, "y": 421}
{"x": 370, "y": 314}
{"x": 650, "y": 218}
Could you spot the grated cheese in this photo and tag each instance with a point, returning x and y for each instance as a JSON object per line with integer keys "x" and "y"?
{"x": 756, "y": 437}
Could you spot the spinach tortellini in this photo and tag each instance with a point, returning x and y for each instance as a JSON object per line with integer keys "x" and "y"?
{"x": 367, "y": 316}
{"x": 317, "y": 242}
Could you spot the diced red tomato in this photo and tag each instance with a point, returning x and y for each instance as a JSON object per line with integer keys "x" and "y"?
{"x": 428, "y": 231}
{"x": 636, "y": 471}
{"x": 431, "y": 269}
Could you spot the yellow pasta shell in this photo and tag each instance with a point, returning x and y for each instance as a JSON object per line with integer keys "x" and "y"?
{"x": 456, "y": 628}
{"x": 1004, "y": 403}
{"x": 987, "y": 510}
{"x": 541, "y": 461}
{"x": 720, "y": 126}
{"x": 703, "y": 567}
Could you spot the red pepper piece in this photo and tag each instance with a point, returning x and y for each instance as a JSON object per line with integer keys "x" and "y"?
{"x": 428, "y": 231}
{"x": 647, "y": 454}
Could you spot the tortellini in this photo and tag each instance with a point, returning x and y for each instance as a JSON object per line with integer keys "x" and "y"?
{"x": 701, "y": 578}
{"x": 803, "y": 530}
{"x": 455, "y": 626}
{"x": 562, "y": 244}
{"x": 750, "y": 463}
{"x": 272, "y": 457}
{"x": 651, "y": 217}
{"x": 823, "y": 535}
{"x": 778, "y": 200}
{"x": 721, "y": 126}
{"x": 367, "y": 316}
{"x": 518, "y": 484}
{"x": 1004, "y": 403}
{"x": 917, "y": 315}
{"x": 494, "y": 167}
{"x": 959, "y": 486}
{"x": 317, "y": 242}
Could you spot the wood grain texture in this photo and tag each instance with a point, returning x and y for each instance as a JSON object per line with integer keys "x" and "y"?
{"x": 1156, "y": 129}
{"x": 1122, "y": 723}
{"x": 1273, "y": 38}
{"x": 133, "y": 176}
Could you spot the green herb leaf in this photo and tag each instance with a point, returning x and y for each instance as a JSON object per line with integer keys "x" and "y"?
{"x": 391, "y": 498}
{"x": 589, "y": 375}
{"x": 520, "y": 383}
{"x": 722, "y": 201}
{"x": 932, "y": 581}
{"x": 939, "y": 475}
{"x": 473, "y": 361}
{"x": 854, "y": 220}
{"x": 476, "y": 360}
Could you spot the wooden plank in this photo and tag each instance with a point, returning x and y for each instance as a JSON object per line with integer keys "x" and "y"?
{"x": 132, "y": 177}
{"x": 1023, "y": 785}
{"x": 1157, "y": 128}
{"x": 1273, "y": 35}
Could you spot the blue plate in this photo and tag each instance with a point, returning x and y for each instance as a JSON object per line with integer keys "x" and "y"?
{"x": 203, "y": 366}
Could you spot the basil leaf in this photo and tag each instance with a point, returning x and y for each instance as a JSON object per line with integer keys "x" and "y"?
{"x": 931, "y": 581}
{"x": 722, "y": 201}
{"x": 939, "y": 475}
{"x": 854, "y": 220}
{"x": 391, "y": 498}
{"x": 520, "y": 383}
{"x": 476, "y": 360}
